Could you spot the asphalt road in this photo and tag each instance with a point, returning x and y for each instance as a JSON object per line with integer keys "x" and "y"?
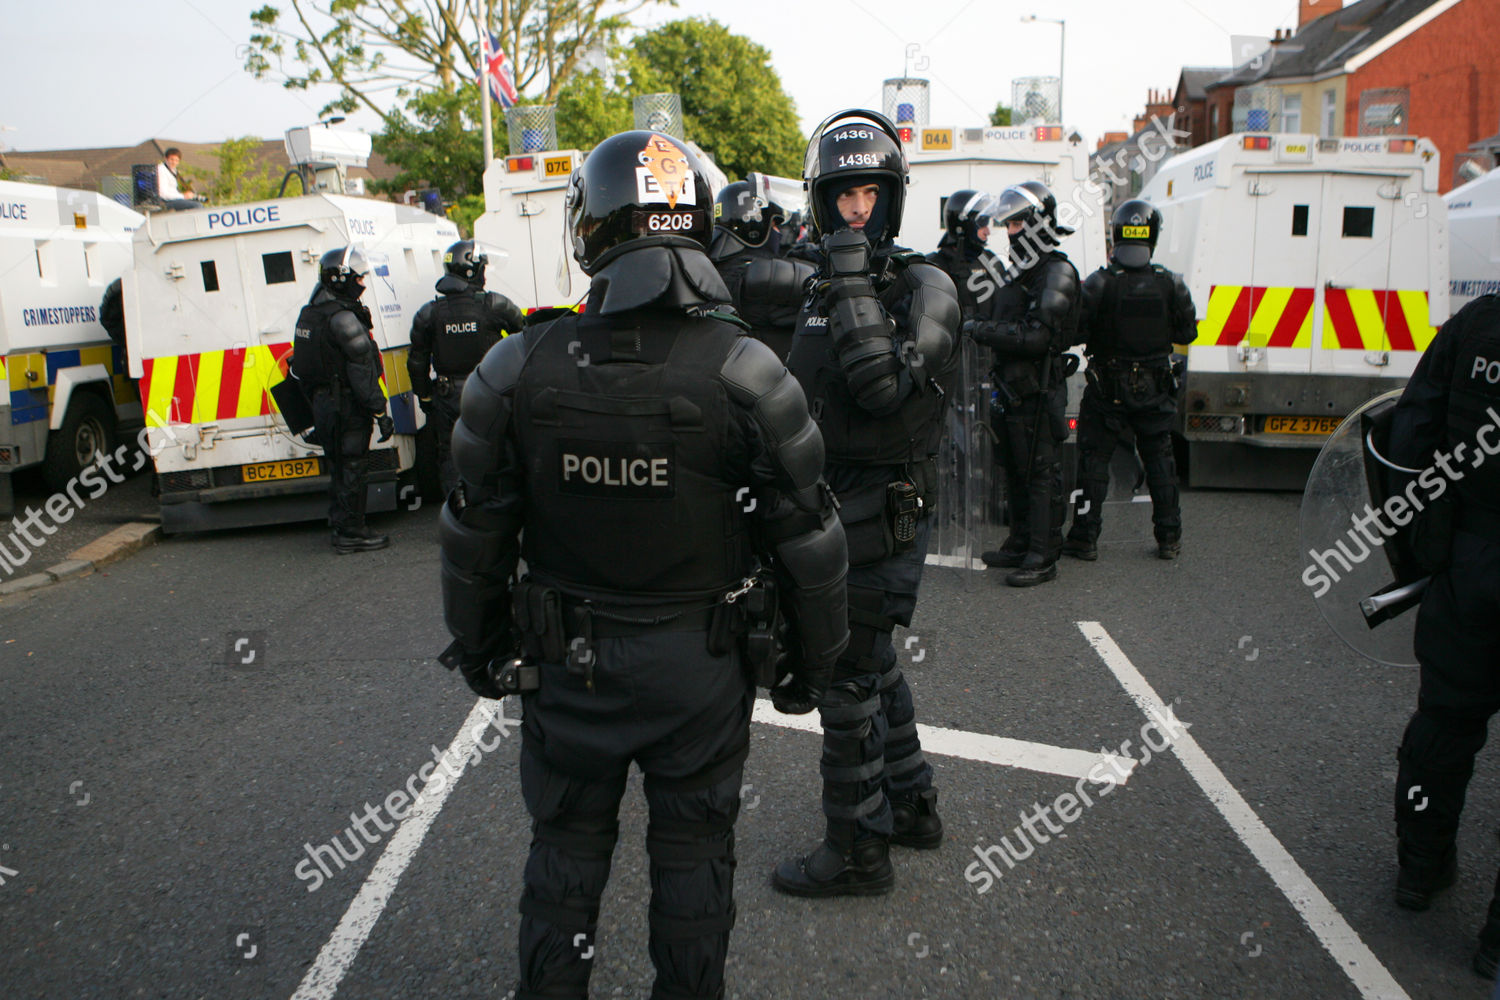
{"x": 159, "y": 788}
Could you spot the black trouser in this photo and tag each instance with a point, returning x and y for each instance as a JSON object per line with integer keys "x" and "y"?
{"x": 1029, "y": 435}
{"x": 343, "y": 430}
{"x": 1102, "y": 425}
{"x": 443, "y": 413}
{"x": 683, "y": 715}
{"x": 1458, "y": 647}
{"x": 871, "y": 752}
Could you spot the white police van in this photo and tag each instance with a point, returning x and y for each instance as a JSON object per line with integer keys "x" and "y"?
{"x": 64, "y": 392}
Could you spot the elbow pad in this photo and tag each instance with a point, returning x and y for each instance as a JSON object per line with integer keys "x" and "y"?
{"x": 476, "y": 566}
{"x": 777, "y": 282}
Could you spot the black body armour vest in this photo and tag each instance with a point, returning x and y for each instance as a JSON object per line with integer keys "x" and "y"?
{"x": 851, "y": 434}
{"x": 315, "y": 360}
{"x": 630, "y": 464}
{"x": 1475, "y": 395}
{"x": 1136, "y": 321}
{"x": 460, "y": 334}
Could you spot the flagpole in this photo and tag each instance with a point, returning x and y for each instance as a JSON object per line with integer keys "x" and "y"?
{"x": 484, "y": 84}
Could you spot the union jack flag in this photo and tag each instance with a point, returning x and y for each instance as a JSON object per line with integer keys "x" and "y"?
{"x": 498, "y": 70}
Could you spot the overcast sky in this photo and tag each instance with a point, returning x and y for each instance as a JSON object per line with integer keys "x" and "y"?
{"x": 95, "y": 73}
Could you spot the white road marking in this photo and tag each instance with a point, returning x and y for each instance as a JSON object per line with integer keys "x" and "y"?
{"x": 322, "y": 980}
{"x": 981, "y": 747}
{"x": 955, "y": 562}
{"x": 1337, "y": 937}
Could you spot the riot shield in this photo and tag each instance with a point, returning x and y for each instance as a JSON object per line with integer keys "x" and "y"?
{"x": 1354, "y": 556}
{"x": 963, "y": 526}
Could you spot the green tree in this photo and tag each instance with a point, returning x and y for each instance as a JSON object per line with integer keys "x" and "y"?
{"x": 733, "y": 104}
{"x": 242, "y": 176}
{"x": 1000, "y": 117}
{"x": 436, "y": 143}
{"x": 379, "y": 52}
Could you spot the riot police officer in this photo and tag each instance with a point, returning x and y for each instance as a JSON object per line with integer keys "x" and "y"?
{"x": 962, "y": 253}
{"x": 875, "y": 350}
{"x": 1133, "y": 312}
{"x": 645, "y": 452}
{"x": 449, "y": 335}
{"x": 764, "y": 285}
{"x": 336, "y": 359}
{"x": 1032, "y": 319}
{"x": 1447, "y": 408}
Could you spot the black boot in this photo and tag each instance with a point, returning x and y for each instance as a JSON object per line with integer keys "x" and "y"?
{"x": 346, "y": 540}
{"x": 1418, "y": 881}
{"x": 1008, "y": 556}
{"x": 863, "y": 869}
{"x": 917, "y": 823}
{"x": 1080, "y": 548}
{"x": 1034, "y": 569}
{"x": 1168, "y": 548}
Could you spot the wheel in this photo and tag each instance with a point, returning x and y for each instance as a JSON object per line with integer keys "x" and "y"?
{"x": 87, "y": 432}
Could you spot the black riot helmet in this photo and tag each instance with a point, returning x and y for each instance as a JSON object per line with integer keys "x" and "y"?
{"x": 1032, "y": 204}
{"x": 850, "y": 149}
{"x": 1133, "y": 231}
{"x": 965, "y": 213}
{"x": 462, "y": 260}
{"x": 634, "y": 189}
{"x": 342, "y": 271}
{"x": 750, "y": 217}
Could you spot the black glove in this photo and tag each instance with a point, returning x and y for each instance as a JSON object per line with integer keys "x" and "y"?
{"x": 846, "y": 253}
{"x": 478, "y": 670}
{"x": 803, "y": 691}
{"x": 387, "y": 426}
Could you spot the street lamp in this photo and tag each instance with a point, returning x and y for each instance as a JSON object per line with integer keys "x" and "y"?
{"x": 1061, "y": 50}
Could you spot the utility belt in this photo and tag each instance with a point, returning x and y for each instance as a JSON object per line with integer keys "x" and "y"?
{"x": 1132, "y": 382}
{"x": 448, "y": 385}
{"x": 556, "y": 627}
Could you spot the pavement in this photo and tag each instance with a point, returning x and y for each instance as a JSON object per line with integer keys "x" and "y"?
{"x": 183, "y": 735}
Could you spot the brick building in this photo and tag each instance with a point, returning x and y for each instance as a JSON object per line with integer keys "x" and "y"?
{"x": 1419, "y": 67}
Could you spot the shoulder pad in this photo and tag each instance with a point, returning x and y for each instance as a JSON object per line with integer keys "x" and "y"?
{"x": 1099, "y": 278}
{"x": 346, "y": 325}
{"x": 757, "y": 380}
{"x": 905, "y": 257}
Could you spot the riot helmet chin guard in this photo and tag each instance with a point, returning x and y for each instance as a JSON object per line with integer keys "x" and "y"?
{"x": 747, "y": 213}
{"x": 342, "y": 271}
{"x": 636, "y": 189}
{"x": 855, "y": 149}
{"x": 1134, "y": 229}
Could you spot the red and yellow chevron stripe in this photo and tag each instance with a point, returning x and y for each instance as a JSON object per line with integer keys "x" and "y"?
{"x": 1362, "y": 319}
{"x": 226, "y": 385}
{"x": 1264, "y": 316}
{"x": 1376, "y": 320}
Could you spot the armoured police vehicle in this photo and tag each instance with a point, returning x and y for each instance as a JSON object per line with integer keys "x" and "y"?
{"x": 64, "y": 392}
{"x": 211, "y": 301}
{"x": 1319, "y": 269}
{"x": 1474, "y": 239}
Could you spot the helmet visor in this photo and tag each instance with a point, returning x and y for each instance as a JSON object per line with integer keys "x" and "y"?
{"x": 1015, "y": 204}
{"x": 356, "y": 261}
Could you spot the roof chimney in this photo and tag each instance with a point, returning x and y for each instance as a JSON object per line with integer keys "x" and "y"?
{"x": 1311, "y": 10}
